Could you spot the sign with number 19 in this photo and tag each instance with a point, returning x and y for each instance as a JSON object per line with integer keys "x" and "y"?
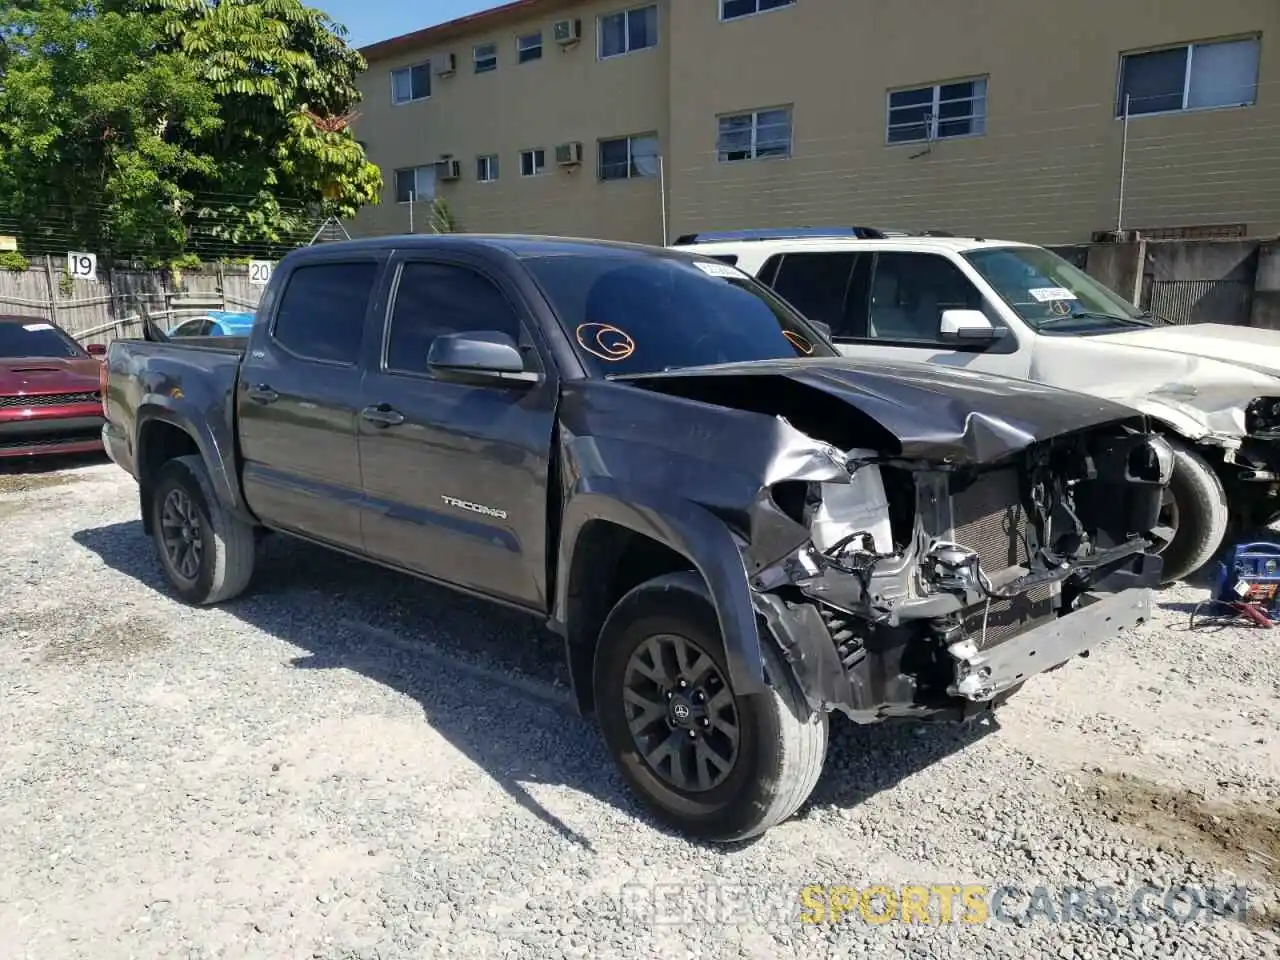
{"x": 82, "y": 266}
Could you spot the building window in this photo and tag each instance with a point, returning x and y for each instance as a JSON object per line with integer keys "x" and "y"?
{"x": 529, "y": 47}
{"x": 416, "y": 184}
{"x": 733, "y": 9}
{"x": 628, "y": 31}
{"x": 487, "y": 168}
{"x": 755, "y": 135}
{"x": 1194, "y": 76}
{"x": 532, "y": 162}
{"x": 486, "y": 57}
{"x": 411, "y": 83}
{"x": 938, "y": 112}
{"x": 625, "y": 158}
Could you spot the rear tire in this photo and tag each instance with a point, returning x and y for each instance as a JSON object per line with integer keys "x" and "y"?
{"x": 1195, "y": 510}
{"x": 762, "y": 773}
{"x": 206, "y": 553}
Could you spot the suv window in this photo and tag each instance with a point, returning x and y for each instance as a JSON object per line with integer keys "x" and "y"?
{"x": 436, "y": 298}
{"x": 909, "y": 291}
{"x": 322, "y": 310}
{"x": 828, "y": 287}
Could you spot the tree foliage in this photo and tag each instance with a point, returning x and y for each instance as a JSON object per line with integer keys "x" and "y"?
{"x": 141, "y": 126}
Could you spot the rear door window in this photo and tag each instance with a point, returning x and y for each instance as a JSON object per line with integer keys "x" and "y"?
{"x": 322, "y": 311}
{"x": 827, "y": 287}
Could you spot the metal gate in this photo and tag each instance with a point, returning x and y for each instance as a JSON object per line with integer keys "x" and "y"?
{"x": 1201, "y": 301}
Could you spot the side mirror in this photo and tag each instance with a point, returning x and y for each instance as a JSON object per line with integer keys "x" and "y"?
{"x": 96, "y": 349}
{"x": 483, "y": 357}
{"x": 967, "y": 325}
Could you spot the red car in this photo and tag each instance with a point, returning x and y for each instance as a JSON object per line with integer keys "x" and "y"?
{"x": 50, "y": 390}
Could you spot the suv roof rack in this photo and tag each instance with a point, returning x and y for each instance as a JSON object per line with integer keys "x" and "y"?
{"x": 797, "y": 233}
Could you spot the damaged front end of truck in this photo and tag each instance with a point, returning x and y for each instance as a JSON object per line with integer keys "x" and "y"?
{"x": 932, "y": 572}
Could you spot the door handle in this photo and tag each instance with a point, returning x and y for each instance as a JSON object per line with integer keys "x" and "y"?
{"x": 261, "y": 393}
{"x": 383, "y": 415}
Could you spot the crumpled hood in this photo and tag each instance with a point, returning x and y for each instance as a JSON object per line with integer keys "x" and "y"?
{"x": 1251, "y": 347}
{"x": 34, "y": 375}
{"x": 934, "y": 412}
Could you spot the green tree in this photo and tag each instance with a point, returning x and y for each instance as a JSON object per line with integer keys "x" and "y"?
{"x": 99, "y": 128}
{"x": 256, "y": 117}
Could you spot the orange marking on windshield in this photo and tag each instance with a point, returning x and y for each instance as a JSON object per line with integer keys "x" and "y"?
{"x": 605, "y": 341}
{"x": 799, "y": 342}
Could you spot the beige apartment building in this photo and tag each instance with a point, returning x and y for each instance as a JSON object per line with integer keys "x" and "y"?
{"x": 1004, "y": 118}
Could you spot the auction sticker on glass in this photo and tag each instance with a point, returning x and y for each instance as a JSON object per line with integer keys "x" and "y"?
{"x": 1050, "y": 294}
{"x": 721, "y": 270}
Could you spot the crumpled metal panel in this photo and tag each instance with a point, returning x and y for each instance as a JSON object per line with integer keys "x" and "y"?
{"x": 934, "y": 412}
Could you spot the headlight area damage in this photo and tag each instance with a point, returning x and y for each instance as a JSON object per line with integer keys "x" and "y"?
{"x": 965, "y": 544}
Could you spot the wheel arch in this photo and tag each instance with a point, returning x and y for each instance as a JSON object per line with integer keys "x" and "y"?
{"x": 610, "y": 545}
{"x": 164, "y": 434}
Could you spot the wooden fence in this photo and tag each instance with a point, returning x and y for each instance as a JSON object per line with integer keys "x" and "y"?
{"x": 109, "y": 307}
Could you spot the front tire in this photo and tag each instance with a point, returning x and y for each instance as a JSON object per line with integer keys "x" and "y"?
{"x": 1193, "y": 517}
{"x": 713, "y": 764}
{"x": 206, "y": 553}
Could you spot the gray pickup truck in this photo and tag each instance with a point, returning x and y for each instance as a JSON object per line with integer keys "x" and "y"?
{"x": 735, "y": 530}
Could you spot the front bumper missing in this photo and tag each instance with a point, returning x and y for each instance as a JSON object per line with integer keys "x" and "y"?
{"x": 984, "y": 674}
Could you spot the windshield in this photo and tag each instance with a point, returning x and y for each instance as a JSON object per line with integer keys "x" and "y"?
{"x": 1051, "y": 294}
{"x": 36, "y": 339}
{"x": 628, "y": 314}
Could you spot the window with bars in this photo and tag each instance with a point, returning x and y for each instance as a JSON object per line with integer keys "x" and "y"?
{"x": 415, "y": 184}
{"x": 485, "y": 56}
{"x": 529, "y": 47}
{"x": 628, "y": 31}
{"x": 1192, "y": 76}
{"x": 938, "y": 112}
{"x": 627, "y": 158}
{"x": 755, "y": 135}
{"x": 735, "y": 9}
{"x": 411, "y": 83}
{"x": 532, "y": 162}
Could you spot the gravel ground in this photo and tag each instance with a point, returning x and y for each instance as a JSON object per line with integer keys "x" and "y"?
{"x": 347, "y": 763}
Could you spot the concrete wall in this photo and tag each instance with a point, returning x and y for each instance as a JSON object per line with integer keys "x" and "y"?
{"x": 1266, "y": 294}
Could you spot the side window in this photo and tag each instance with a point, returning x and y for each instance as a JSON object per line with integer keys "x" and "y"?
{"x": 436, "y": 298}
{"x": 828, "y": 287}
{"x": 322, "y": 311}
{"x": 769, "y": 271}
{"x": 909, "y": 291}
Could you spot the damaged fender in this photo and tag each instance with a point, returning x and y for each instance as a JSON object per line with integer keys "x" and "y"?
{"x": 689, "y": 530}
{"x": 719, "y": 516}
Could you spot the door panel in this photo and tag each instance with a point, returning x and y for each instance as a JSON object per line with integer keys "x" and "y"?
{"x": 297, "y": 396}
{"x": 456, "y": 487}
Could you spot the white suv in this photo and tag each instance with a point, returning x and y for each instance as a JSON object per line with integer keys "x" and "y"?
{"x": 1021, "y": 311}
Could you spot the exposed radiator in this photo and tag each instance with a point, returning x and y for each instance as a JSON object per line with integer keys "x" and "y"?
{"x": 989, "y": 518}
{"x": 1009, "y": 617}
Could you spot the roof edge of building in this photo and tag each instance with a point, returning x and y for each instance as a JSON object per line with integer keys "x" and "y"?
{"x": 461, "y": 27}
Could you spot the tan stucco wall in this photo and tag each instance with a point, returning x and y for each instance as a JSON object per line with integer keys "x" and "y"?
{"x": 1047, "y": 169}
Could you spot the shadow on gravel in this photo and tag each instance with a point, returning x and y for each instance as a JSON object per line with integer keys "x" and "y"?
{"x": 449, "y": 652}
